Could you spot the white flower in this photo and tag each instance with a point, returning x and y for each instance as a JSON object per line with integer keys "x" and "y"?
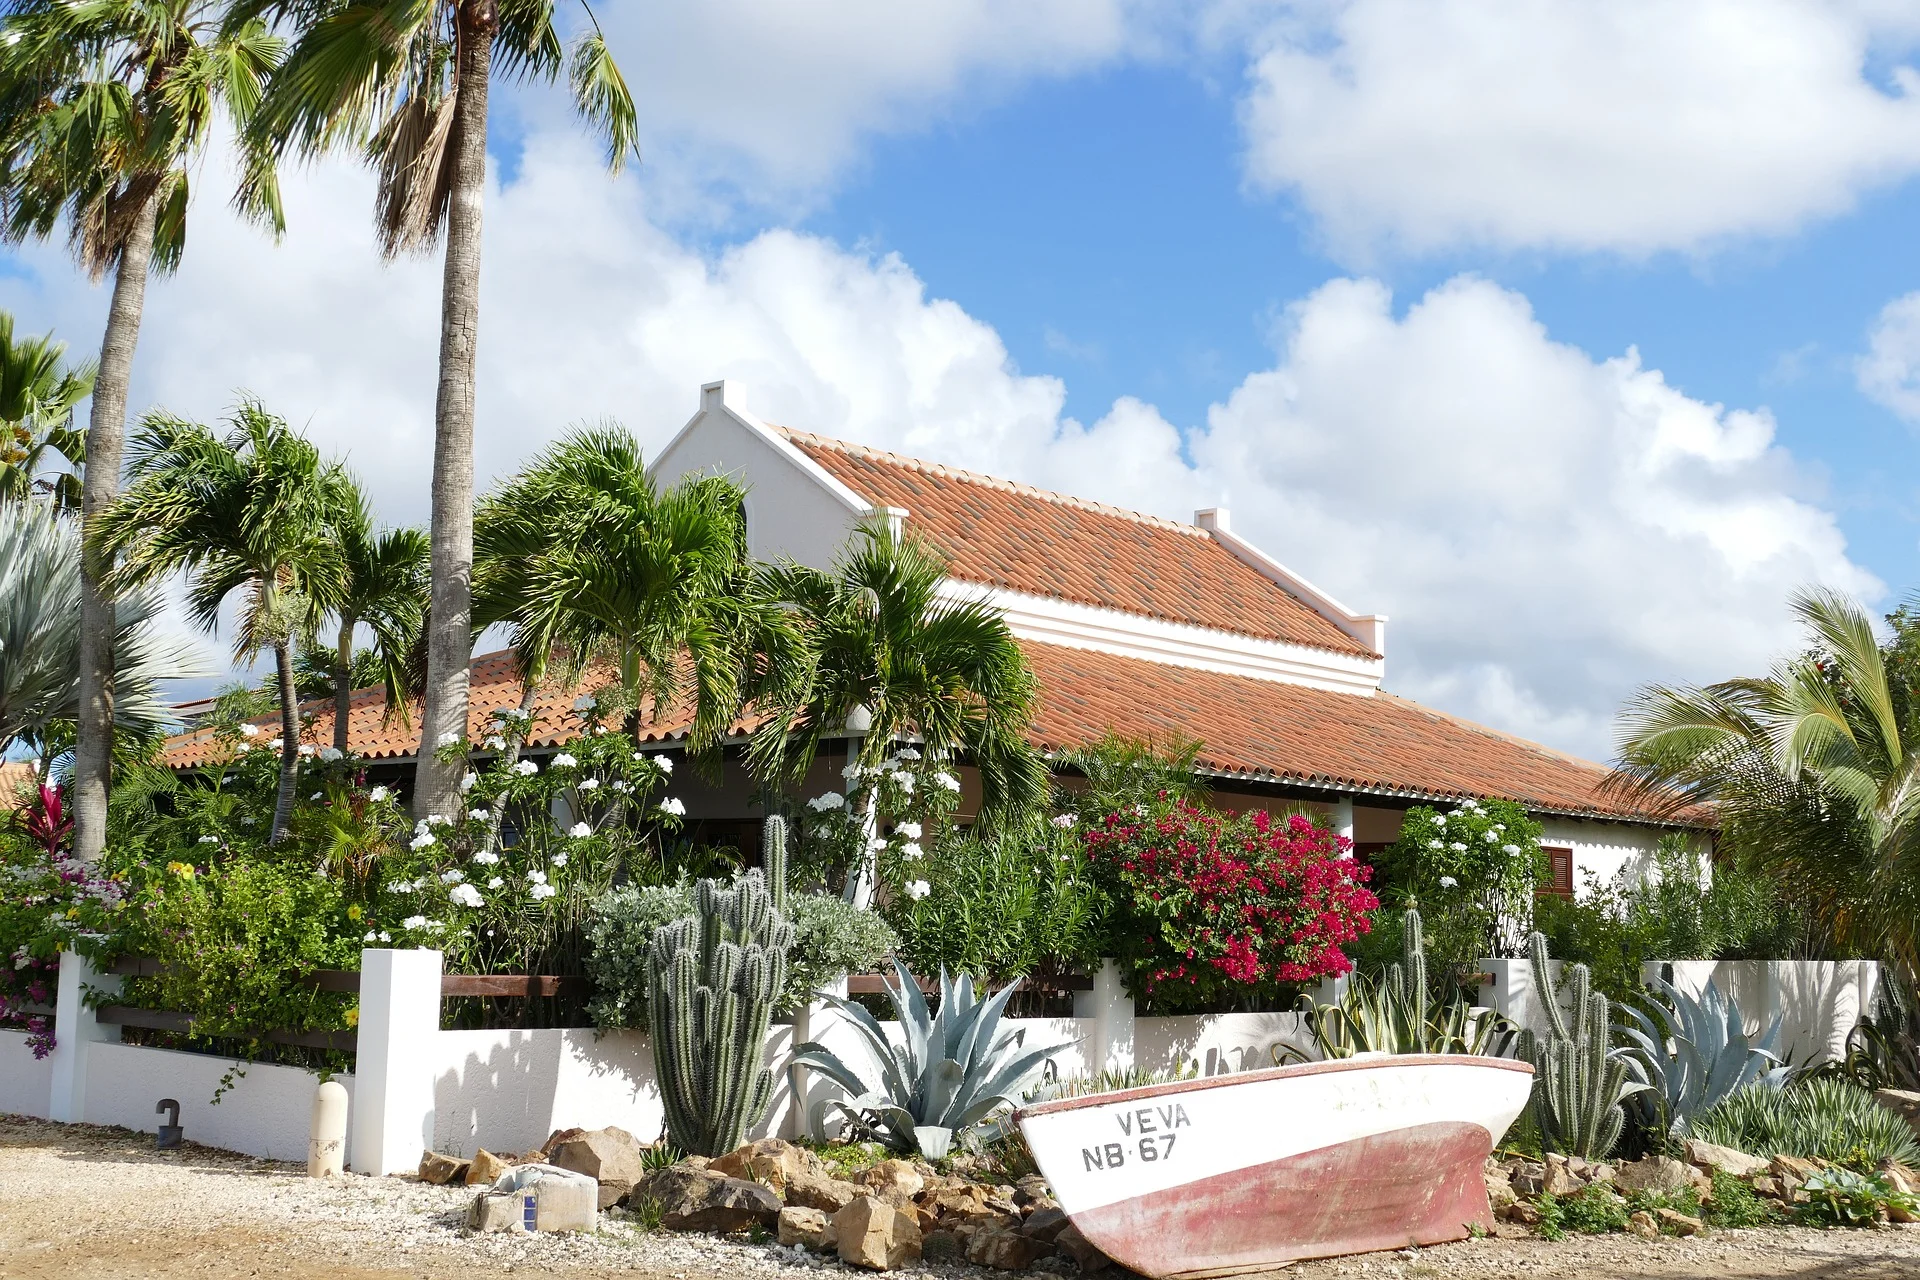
{"x": 495, "y": 883}
{"x": 495, "y": 742}
{"x": 209, "y": 839}
{"x": 665, "y": 763}
{"x": 1065, "y": 820}
{"x": 1510, "y": 849}
{"x": 620, "y": 788}
{"x": 399, "y": 886}
{"x": 486, "y": 859}
{"x": 564, "y": 761}
{"x": 1436, "y": 844}
{"x": 829, "y": 800}
{"x": 1440, "y": 819}
{"x": 947, "y": 780}
{"x": 243, "y": 747}
{"x": 639, "y": 755}
{"x": 589, "y": 784}
{"x": 852, "y": 771}
{"x": 378, "y": 794}
{"x": 541, "y": 891}
{"x": 1448, "y": 882}
{"x": 1492, "y": 838}
{"x": 331, "y": 754}
{"x": 434, "y": 926}
{"x": 413, "y": 922}
{"x": 314, "y": 796}
{"x": 911, "y": 830}
{"x": 468, "y": 781}
{"x": 306, "y": 749}
{"x": 526, "y": 768}
{"x": 875, "y": 844}
{"x": 1457, "y": 847}
{"x": 599, "y": 730}
{"x": 912, "y": 852}
{"x": 1500, "y": 826}
{"x": 369, "y": 937}
{"x": 537, "y": 877}
{"x": 674, "y": 806}
{"x": 559, "y": 859}
{"x": 423, "y": 840}
{"x": 249, "y": 730}
{"x": 585, "y": 702}
{"x": 385, "y": 936}
{"x": 439, "y": 820}
{"x": 903, "y": 780}
{"x": 918, "y": 889}
{"x": 455, "y": 876}
{"x": 277, "y": 743}
{"x": 446, "y": 739}
{"x": 479, "y": 815}
{"x": 465, "y": 895}
{"x": 421, "y": 883}
{"x": 580, "y": 831}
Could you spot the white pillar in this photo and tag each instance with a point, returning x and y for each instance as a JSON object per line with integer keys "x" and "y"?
{"x": 75, "y": 1031}
{"x": 392, "y": 1116}
{"x": 1343, "y": 821}
{"x": 816, "y": 1022}
{"x": 1110, "y": 1046}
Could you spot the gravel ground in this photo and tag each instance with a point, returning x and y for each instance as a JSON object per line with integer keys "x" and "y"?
{"x": 78, "y": 1201}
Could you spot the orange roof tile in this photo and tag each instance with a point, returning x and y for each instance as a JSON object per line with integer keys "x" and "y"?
{"x": 1025, "y": 539}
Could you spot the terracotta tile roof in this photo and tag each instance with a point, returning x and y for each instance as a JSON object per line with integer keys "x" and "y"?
{"x": 1049, "y": 544}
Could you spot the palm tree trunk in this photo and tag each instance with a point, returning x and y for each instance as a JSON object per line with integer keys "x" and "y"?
{"x": 289, "y": 740}
{"x": 450, "y": 636}
{"x": 342, "y": 685}
{"x": 106, "y": 434}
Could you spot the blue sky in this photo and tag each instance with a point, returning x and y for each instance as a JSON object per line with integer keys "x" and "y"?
{"x": 1573, "y": 336}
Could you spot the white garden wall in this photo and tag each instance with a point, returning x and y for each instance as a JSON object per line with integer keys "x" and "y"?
{"x": 26, "y": 1082}
{"x": 1220, "y": 1043}
{"x": 267, "y": 1113}
{"x": 1818, "y": 1001}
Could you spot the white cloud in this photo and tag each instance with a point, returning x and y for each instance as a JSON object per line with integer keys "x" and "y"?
{"x": 1628, "y": 126}
{"x": 1889, "y": 372}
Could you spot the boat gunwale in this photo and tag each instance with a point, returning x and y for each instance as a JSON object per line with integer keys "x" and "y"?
{"x": 1324, "y": 1067}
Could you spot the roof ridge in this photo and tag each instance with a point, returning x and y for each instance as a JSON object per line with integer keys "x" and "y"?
{"x": 992, "y": 482}
{"x": 1538, "y": 748}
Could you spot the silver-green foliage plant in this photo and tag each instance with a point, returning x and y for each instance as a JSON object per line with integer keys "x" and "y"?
{"x": 1580, "y": 1084}
{"x": 1818, "y": 1117}
{"x": 1395, "y": 1013}
{"x": 714, "y": 978}
{"x": 1693, "y": 1052}
{"x": 951, "y": 1071}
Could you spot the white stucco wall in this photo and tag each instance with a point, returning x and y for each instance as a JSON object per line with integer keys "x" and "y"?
{"x": 25, "y": 1081}
{"x": 1602, "y": 850}
{"x": 268, "y": 1112}
{"x": 1220, "y": 1043}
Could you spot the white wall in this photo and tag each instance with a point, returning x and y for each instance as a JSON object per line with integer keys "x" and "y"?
{"x": 1219, "y": 1043}
{"x": 25, "y": 1081}
{"x": 268, "y": 1112}
{"x": 1602, "y": 849}
{"x": 1819, "y": 1002}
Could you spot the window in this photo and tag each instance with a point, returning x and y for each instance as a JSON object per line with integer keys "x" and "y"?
{"x": 1559, "y": 879}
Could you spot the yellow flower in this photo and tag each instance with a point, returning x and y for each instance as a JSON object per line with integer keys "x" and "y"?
{"x": 181, "y": 869}
{"x": 73, "y": 913}
{"x": 354, "y": 912}
{"x": 353, "y": 1019}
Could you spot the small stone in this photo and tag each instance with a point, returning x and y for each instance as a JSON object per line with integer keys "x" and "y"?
{"x": 1707, "y": 1155}
{"x": 1599, "y": 1173}
{"x": 894, "y": 1181}
{"x": 1030, "y": 1188}
{"x": 1679, "y": 1223}
{"x": 1045, "y": 1224}
{"x": 1641, "y": 1223}
{"x": 806, "y": 1228}
{"x": 1500, "y": 1192}
{"x": 554, "y": 1139}
{"x": 487, "y": 1168}
{"x": 1653, "y": 1173}
{"x": 871, "y": 1233}
{"x": 982, "y": 1224}
{"x": 1764, "y": 1185}
{"x": 1523, "y": 1213}
{"x": 612, "y": 1157}
{"x": 440, "y": 1170}
{"x": 496, "y": 1211}
{"x": 828, "y": 1194}
{"x": 1005, "y": 1250}
{"x": 1529, "y": 1177}
{"x": 1085, "y": 1255}
{"x": 693, "y": 1199}
{"x": 1560, "y": 1178}
{"x": 955, "y": 1200}
{"x": 1794, "y": 1167}
{"x": 774, "y": 1163}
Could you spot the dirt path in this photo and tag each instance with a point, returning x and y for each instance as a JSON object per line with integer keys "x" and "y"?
{"x": 84, "y": 1203}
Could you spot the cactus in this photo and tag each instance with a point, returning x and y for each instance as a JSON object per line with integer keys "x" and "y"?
{"x": 713, "y": 978}
{"x": 1395, "y": 1014}
{"x": 1579, "y": 1084}
{"x": 1408, "y": 979}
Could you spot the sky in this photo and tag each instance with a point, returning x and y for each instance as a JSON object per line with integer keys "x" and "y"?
{"x": 1573, "y": 336}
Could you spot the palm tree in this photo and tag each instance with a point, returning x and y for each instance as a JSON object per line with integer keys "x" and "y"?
{"x": 1814, "y": 770}
{"x": 883, "y": 648}
{"x": 37, "y": 394}
{"x": 408, "y": 86}
{"x": 105, "y": 106}
{"x": 387, "y": 588}
{"x": 40, "y": 640}
{"x": 259, "y": 512}
{"x": 585, "y": 558}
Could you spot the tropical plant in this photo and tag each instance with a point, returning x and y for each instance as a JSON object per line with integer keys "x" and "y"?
{"x": 408, "y": 88}
{"x": 1883, "y": 1049}
{"x": 1394, "y": 1013}
{"x": 713, "y": 978}
{"x": 1818, "y": 1117}
{"x": 1693, "y": 1052}
{"x": 1118, "y": 772}
{"x": 40, "y": 640}
{"x": 1846, "y": 1198}
{"x": 1813, "y": 771}
{"x": 952, "y": 1071}
{"x": 257, "y": 511}
{"x": 883, "y": 649}
{"x": 105, "y": 107}
{"x": 1580, "y": 1086}
{"x": 1473, "y": 871}
{"x": 386, "y": 588}
{"x": 47, "y": 821}
{"x": 38, "y": 391}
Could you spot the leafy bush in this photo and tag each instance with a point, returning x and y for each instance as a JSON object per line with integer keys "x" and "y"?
{"x": 1473, "y": 872}
{"x": 1736, "y": 1204}
{"x": 1846, "y": 1198}
{"x": 1821, "y": 1117}
{"x": 1000, "y": 906}
{"x": 1208, "y": 912}
{"x": 1883, "y": 1050}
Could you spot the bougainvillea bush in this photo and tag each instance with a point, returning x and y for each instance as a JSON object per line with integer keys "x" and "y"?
{"x": 1210, "y": 912}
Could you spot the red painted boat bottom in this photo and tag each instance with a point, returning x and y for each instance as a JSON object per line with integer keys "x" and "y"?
{"x": 1422, "y": 1185}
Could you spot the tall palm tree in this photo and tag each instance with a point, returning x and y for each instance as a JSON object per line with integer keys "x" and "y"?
{"x": 883, "y": 646}
{"x": 38, "y": 391}
{"x": 586, "y": 559}
{"x": 387, "y": 588}
{"x": 407, "y": 85}
{"x": 1814, "y": 769}
{"x": 257, "y": 511}
{"x": 105, "y": 106}
{"x": 40, "y": 639}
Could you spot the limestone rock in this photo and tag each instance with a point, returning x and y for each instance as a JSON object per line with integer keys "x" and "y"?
{"x": 1031, "y": 1188}
{"x": 1707, "y": 1155}
{"x": 1653, "y": 1173}
{"x": 1500, "y": 1192}
{"x": 807, "y": 1228}
{"x": 1679, "y": 1223}
{"x": 871, "y": 1233}
{"x": 697, "y": 1199}
{"x": 1560, "y": 1179}
{"x": 893, "y": 1181}
{"x": 1599, "y": 1173}
{"x": 1766, "y": 1185}
{"x": 955, "y": 1200}
{"x": 612, "y": 1157}
{"x": 1529, "y": 1177}
{"x": 1005, "y": 1250}
{"x": 1071, "y": 1244}
{"x": 826, "y": 1193}
{"x": 496, "y": 1211}
{"x": 774, "y": 1163}
{"x": 487, "y": 1168}
{"x": 1903, "y": 1103}
{"x": 440, "y": 1170}
{"x": 1523, "y": 1213}
{"x": 1641, "y": 1223}
{"x": 554, "y": 1139}
{"x": 1045, "y": 1225}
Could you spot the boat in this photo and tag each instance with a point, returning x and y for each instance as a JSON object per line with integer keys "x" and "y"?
{"x": 1246, "y": 1172}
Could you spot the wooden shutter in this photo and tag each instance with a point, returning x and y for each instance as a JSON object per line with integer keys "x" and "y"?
{"x": 1559, "y": 881}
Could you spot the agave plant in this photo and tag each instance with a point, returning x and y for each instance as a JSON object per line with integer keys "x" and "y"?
{"x": 1817, "y": 1117}
{"x": 1693, "y": 1052}
{"x": 1883, "y": 1051}
{"x": 1393, "y": 1013}
{"x": 954, "y": 1069}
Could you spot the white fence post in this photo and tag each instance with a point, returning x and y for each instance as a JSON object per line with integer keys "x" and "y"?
{"x": 392, "y": 1115}
{"x": 1110, "y": 1047}
{"x": 75, "y": 1030}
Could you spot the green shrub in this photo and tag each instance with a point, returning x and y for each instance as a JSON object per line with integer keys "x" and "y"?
{"x": 1594, "y": 1210}
{"x": 997, "y": 907}
{"x": 1846, "y": 1198}
{"x": 1737, "y": 1204}
{"x": 1822, "y": 1117}
{"x": 1472, "y": 871}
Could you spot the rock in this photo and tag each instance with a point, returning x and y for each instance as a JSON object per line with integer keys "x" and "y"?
{"x": 871, "y": 1233}
{"x": 984, "y": 1224}
{"x": 1523, "y": 1213}
{"x": 942, "y": 1246}
{"x": 1599, "y": 1173}
{"x": 776, "y": 1164}
{"x": 1790, "y": 1172}
{"x": 487, "y": 1168}
{"x": 1653, "y": 1173}
{"x": 1706, "y": 1155}
{"x": 1903, "y": 1103}
{"x": 826, "y": 1193}
{"x": 1500, "y": 1192}
{"x": 1641, "y": 1223}
{"x": 893, "y": 1181}
{"x": 1045, "y": 1225}
{"x": 1767, "y": 1186}
{"x": 554, "y": 1139}
{"x": 807, "y": 1228}
{"x": 440, "y": 1170}
{"x": 1071, "y": 1244}
{"x": 611, "y": 1157}
{"x": 1560, "y": 1179}
{"x": 1679, "y": 1223}
{"x": 1529, "y": 1177}
{"x": 1510, "y": 1231}
{"x": 1005, "y": 1250}
{"x": 1031, "y": 1188}
{"x": 563, "y": 1199}
{"x": 956, "y": 1200}
{"x": 497, "y": 1211}
{"x": 696, "y": 1199}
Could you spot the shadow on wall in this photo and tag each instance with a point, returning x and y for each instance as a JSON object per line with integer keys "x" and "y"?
{"x": 502, "y": 1095}
{"x": 1221, "y": 1043}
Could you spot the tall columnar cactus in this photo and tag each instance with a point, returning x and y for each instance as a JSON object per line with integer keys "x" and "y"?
{"x": 773, "y": 850}
{"x": 713, "y": 978}
{"x": 1408, "y": 979}
{"x": 1579, "y": 1083}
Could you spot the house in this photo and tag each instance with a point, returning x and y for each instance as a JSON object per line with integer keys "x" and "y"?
{"x": 1132, "y": 623}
